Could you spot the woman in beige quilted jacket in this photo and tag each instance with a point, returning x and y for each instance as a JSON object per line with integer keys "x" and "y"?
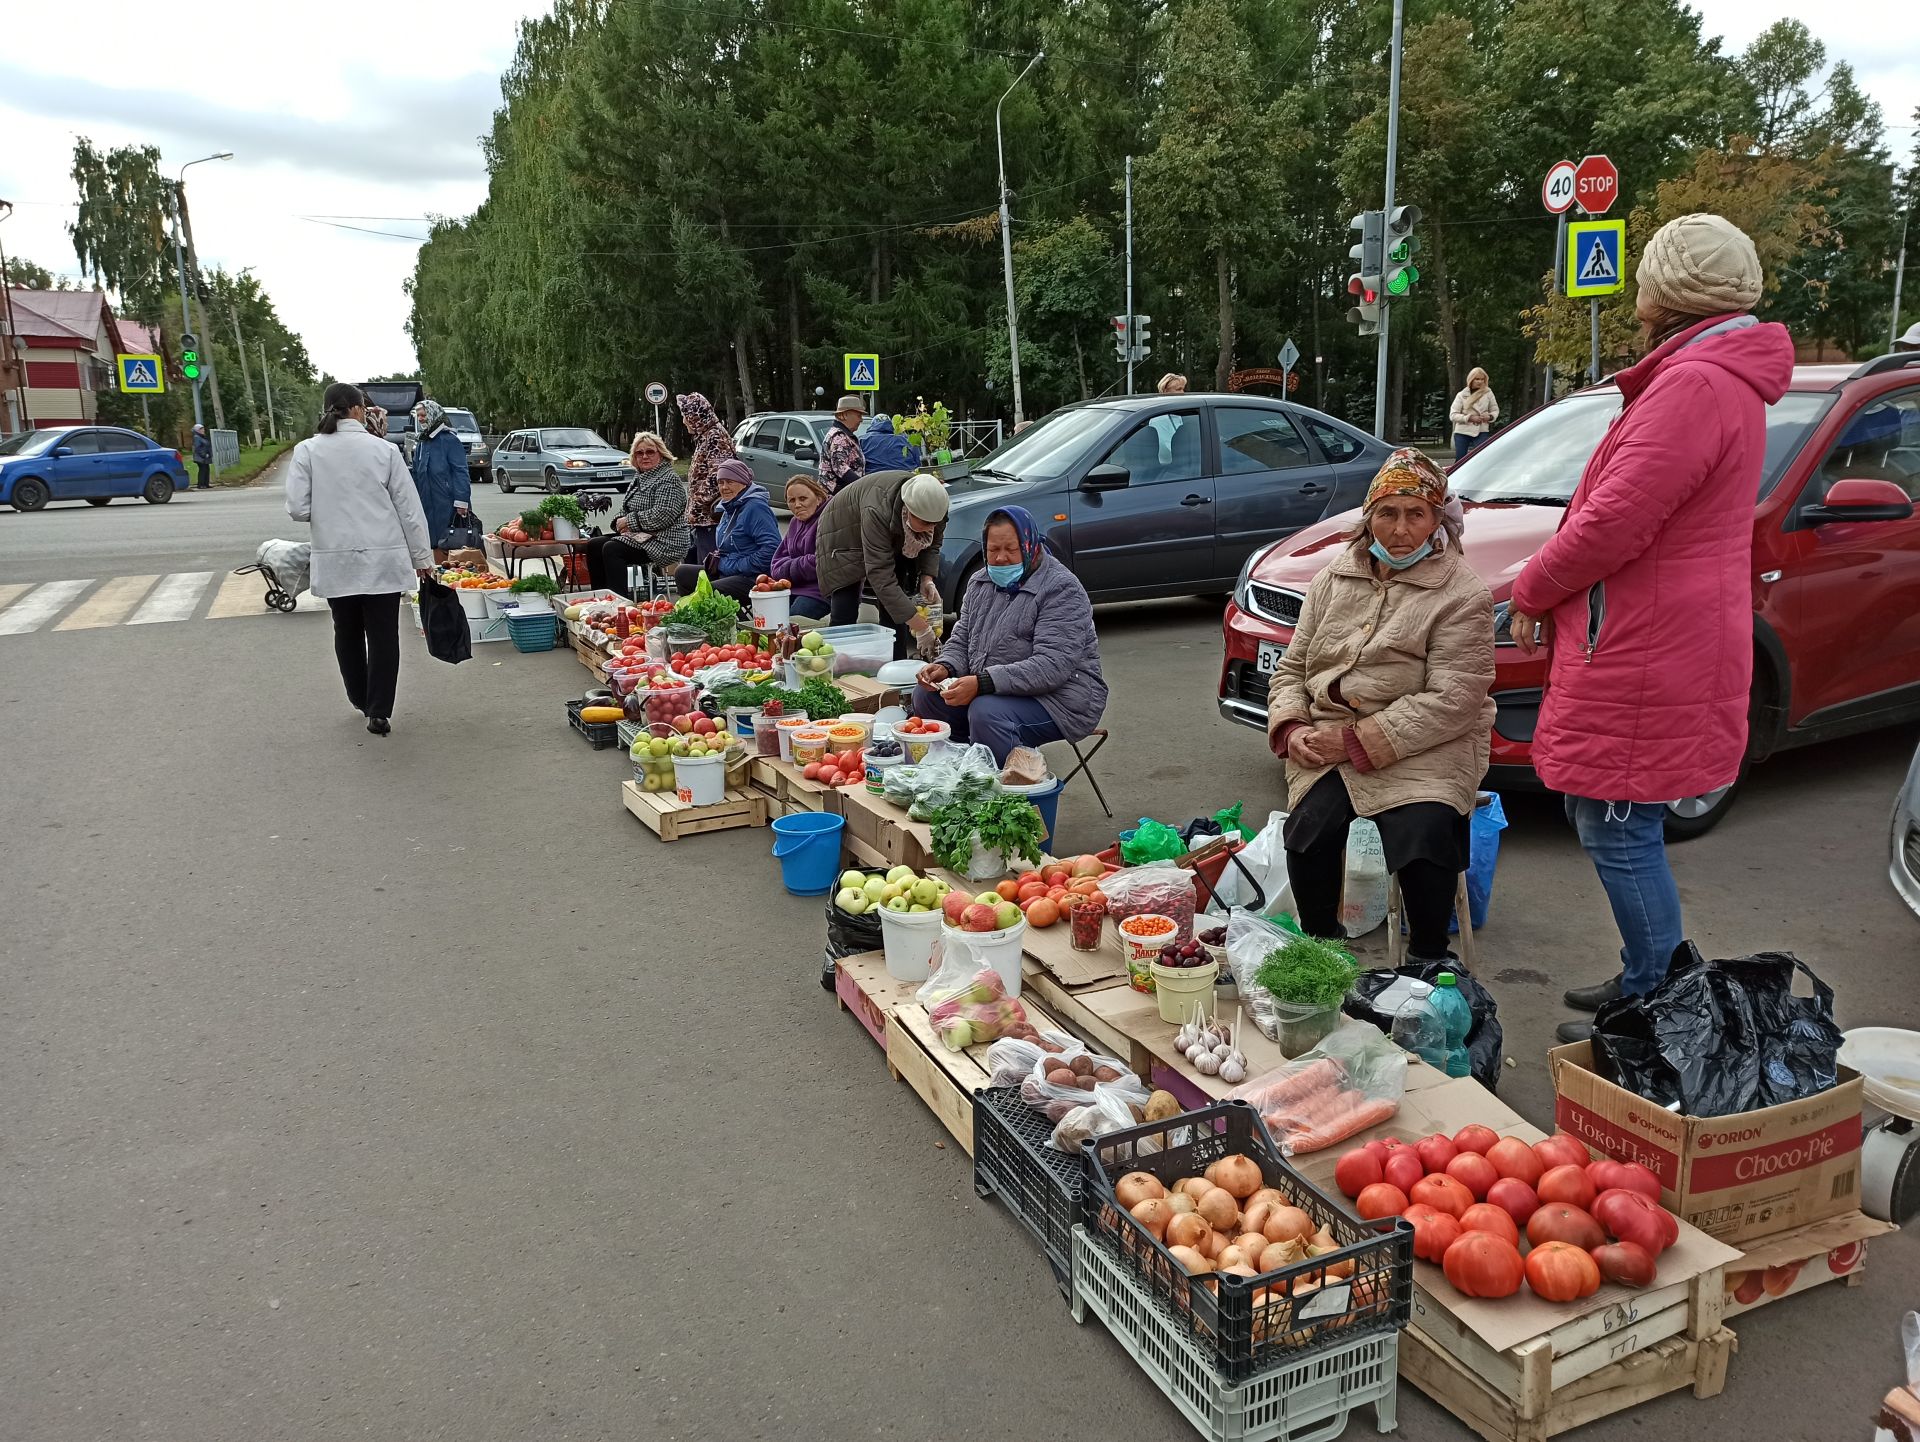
{"x": 1380, "y": 706}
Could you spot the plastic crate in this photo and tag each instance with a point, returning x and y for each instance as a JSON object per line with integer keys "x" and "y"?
{"x": 1294, "y": 1315}
{"x": 1304, "y": 1399}
{"x": 538, "y": 632}
{"x": 1040, "y": 1185}
{"x": 600, "y": 734}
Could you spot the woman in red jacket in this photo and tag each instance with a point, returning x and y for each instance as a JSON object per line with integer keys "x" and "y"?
{"x": 1645, "y": 596}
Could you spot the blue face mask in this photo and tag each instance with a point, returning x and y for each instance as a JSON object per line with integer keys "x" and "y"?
{"x": 1400, "y": 563}
{"x": 1004, "y": 576}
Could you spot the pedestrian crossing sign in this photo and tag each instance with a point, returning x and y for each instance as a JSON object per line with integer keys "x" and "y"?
{"x": 863, "y": 372}
{"x": 1595, "y": 249}
{"x": 141, "y": 375}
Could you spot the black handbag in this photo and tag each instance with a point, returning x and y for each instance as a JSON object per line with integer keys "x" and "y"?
{"x": 465, "y": 534}
{"x": 445, "y": 623}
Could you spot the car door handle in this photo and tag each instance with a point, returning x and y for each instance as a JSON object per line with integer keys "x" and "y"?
{"x": 1311, "y": 489}
{"x": 1197, "y": 501}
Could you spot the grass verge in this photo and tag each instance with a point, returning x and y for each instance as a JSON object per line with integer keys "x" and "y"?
{"x": 253, "y": 460}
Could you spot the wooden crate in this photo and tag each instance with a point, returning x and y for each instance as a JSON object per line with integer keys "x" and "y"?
{"x": 666, "y": 816}
{"x": 863, "y": 693}
{"x": 590, "y": 655}
{"x": 784, "y": 781}
{"x": 861, "y": 985}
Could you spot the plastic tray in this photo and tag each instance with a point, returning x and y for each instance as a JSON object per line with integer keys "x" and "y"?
{"x": 533, "y": 633}
{"x": 600, "y": 734}
{"x": 1294, "y": 1318}
{"x": 1041, "y": 1186}
{"x": 1304, "y": 1399}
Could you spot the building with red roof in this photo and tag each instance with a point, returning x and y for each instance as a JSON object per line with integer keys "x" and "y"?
{"x": 66, "y": 340}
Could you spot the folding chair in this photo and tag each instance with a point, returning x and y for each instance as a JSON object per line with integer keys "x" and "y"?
{"x": 1397, "y": 942}
{"x": 1098, "y": 737}
{"x": 643, "y": 575}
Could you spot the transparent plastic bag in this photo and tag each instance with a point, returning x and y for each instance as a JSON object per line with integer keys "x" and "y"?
{"x": 968, "y": 1004}
{"x": 1250, "y": 940}
{"x": 1043, "y": 1088}
{"x": 1011, "y": 1059}
{"x": 1351, "y": 1081}
{"x": 1109, "y": 1111}
{"x": 1159, "y": 888}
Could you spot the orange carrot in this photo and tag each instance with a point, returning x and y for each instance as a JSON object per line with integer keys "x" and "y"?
{"x": 1321, "y": 1076}
{"x": 1338, "y": 1129}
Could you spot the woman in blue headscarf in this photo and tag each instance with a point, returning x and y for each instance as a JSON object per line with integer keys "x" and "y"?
{"x": 1022, "y": 664}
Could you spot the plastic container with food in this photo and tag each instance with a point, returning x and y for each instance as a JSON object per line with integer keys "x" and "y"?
{"x": 766, "y": 733}
{"x": 924, "y": 738}
{"x": 858, "y": 650}
{"x": 1086, "y": 920}
{"x": 769, "y": 608}
{"x": 663, "y": 703}
{"x": 810, "y": 743}
{"x": 1142, "y": 936}
{"x": 787, "y": 727}
{"x": 859, "y": 720}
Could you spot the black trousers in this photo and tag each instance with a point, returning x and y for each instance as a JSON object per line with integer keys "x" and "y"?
{"x": 366, "y": 642}
{"x": 608, "y": 558}
{"x": 201, "y": 468}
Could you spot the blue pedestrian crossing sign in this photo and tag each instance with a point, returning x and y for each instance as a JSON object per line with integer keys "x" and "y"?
{"x": 141, "y": 375}
{"x": 863, "y": 372}
{"x": 1595, "y": 254}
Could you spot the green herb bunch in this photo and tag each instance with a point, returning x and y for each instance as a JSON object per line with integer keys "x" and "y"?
{"x": 538, "y": 584}
{"x": 979, "y": 810}
{"x": 563, "y": 507}
{"x": 708, "y": 612}
{"x": 819, "y": 698}
{"x": 1308, "y": 972}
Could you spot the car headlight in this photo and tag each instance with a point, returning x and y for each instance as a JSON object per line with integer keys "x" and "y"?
{"x": 1502, "y": 623}
{"x": 1246, "y": 573}
{"x": 577, "y": 464}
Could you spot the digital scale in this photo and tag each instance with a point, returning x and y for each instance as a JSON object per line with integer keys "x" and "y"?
{"x": 1888, "y": 1060}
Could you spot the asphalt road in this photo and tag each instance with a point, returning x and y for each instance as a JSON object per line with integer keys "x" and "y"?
{"x": 408, "y": 1088}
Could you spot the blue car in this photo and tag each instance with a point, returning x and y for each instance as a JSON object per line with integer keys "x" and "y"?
{"x": 86, "y": 463}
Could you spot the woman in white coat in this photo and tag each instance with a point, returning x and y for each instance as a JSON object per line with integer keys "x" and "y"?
{"x": 370, "y": 543}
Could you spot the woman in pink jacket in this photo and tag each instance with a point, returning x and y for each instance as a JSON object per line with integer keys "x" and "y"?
{"x": 1645, "y": 594}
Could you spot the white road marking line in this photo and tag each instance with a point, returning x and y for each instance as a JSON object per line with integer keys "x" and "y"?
{"x": 109, "y": 605}
{"x": 15, "y": 588}
{"x": 33, "y": 611}
{"x": 173, "y": 599}
{"x": 239, "y": 596}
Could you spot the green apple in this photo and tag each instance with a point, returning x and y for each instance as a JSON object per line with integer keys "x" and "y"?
{"x": 960, "y": 1035}
{"x": 989, "y": 898}
{"x": 898, "y": 903}
{"x": 1007, "y": 914}
{"x": 852, "y": 880}
{"x": 875, "y": 889}
{"x": 891, "y": 891}
{"x": 926, "y": 892}
{"x": 902, "y": 874}
{"x": 852, "y": 902}
{"x": 919, "y": 909}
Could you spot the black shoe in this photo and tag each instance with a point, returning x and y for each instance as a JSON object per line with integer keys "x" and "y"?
{"x": 379, "y": 725}
{"x": 1592, "y": 998}
{"x": 1574, "y": 1031}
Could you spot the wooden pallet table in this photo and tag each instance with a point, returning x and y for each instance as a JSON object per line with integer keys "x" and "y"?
{"x": 786, "y": 783}
{"x": 861, "y": 985}
{"x": 669, "y": 818}
{"x": 590, "y": 655}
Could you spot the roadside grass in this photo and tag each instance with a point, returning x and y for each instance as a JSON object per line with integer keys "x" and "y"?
{"x": 253, "y": 460}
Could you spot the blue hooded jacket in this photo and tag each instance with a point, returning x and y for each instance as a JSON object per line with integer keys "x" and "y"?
{"x": 747, "y": 534}
{"x": 440, "y": 475}
{"x": 886, "y": 451}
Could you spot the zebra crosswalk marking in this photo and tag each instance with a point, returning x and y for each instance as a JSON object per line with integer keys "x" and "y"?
{"x": 173, "y": 599}
{"x": 12, "y": 589}
{"x": 39, "y": 606}
{"x": 109, "y": 605}
{"x": 239, "y": 596}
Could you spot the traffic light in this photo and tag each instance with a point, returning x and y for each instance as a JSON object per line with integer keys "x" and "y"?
{"x": 1365, "y": 285}
{"x": 1131, "y": 338}
{"x": 190, "y": 357}
{"x": 1141, "y": 335}
{"x": 1365, "y": 311}
{"x": 1122, "y": 336}
{"x": 1402, "y": 246}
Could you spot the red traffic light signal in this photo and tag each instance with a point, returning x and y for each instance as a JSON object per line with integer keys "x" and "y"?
{"x": 1357, "y": 286}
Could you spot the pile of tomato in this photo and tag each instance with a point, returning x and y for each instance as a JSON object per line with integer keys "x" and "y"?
{"x": 1474, "y": 1196}
{"x": 843, "y": 769}
{"x": 749, "y": 658}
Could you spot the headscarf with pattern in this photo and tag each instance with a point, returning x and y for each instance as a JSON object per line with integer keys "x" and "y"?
{"x": 1033, "y": 550}
{"x": 1409, "y": 473}
{"x": 711, "y": 445}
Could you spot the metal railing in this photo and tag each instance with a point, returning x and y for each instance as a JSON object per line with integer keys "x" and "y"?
{"x": 971, "y": 440}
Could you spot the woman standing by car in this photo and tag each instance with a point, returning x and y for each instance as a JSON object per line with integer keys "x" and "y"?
{"x": 1380, "y": 705}
{"x": 651, "y": 529}
{"x": 370, "y": 543}
{"x": 711, "y": 445}
{"x": 440, "y": 472}
{"x": 1473, "y": 413}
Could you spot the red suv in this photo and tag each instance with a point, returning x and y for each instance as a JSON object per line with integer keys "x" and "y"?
{"x": 1836, "y": 566}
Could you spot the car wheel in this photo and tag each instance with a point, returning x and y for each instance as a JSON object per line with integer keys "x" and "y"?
{"x": 98, "y": 500}
{"x": 553, "y": 481}
{"x": 500, "y": 480}
{"x": 1693, "y": 816}
{"x": 157, "y": 491}
{"x": 29, "y": 494}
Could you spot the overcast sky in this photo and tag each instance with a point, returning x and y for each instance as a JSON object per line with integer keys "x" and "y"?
{"x": 377, "y": 125}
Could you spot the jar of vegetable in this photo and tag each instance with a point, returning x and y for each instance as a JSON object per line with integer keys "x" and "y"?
{"x": 1085, "y": 920}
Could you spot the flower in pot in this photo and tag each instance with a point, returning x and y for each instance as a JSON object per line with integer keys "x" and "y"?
{"x": 565, "y": 515}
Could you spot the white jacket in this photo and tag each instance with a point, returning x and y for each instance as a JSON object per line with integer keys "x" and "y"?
{"x": 369, "y": 533}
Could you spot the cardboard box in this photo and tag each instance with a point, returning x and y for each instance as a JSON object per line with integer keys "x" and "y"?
{"x": 1789, "y": 1262}
{"x": 1735, "y": 1177}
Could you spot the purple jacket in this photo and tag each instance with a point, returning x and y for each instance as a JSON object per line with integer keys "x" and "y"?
{"x": 793, "y": 558}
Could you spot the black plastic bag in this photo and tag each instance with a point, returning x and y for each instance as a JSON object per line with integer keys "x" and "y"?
{"x": 849, "y": 935}
{"x": 1718, "y": 1037}
{"x": 1484, "y": 1041}
{"x": 445, "y": 623}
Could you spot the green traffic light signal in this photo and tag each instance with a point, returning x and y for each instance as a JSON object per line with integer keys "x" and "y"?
{"x": 190, "y": 364}
{"x": 1400, "y": 281}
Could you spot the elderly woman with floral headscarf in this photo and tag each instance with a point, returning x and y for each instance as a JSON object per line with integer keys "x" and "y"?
{"x": 711, "y": 445}
{"x": 440, "y": 473}
{"x": 1380, "y": 705}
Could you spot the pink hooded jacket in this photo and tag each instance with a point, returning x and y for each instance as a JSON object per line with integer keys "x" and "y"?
{"x": 1649, "y": 578}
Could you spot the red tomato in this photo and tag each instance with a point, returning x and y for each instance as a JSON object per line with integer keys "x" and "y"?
{"x": 1403, "y": 1169}
{"x": 1435, "y": 1152}
{"x": 1483, "y": 1265}
{"x": 1568, "y": 1184}
{"x": 1433, "y": 1231}
{"x": 1627, "y": 1263}
{"x": 1560, "y": 1150}
{"x": 1512, "y": 1157}
{"x": 1633, "y": 1218}
{"x": 1486, "y": 1217}
{"x": 1515, "y": 1198}
{"x": 1378, "y": 1150}
{"x": 1560, "y": 1272}
{"x": 1443, "y": 1194}
{"x": 1353, "y": 1173}
{"x": 1474, "y": 1172}
{"x": 812, "y": 771}
{"x": 1629, "y": 1176}
{"x": 1392, "y": 1144}
{"x": 1559, "y": 1222}
{"x": 1380, "y": 1200}
{"x": 831, "y": 778}
{"x": 1475, "y": 1138}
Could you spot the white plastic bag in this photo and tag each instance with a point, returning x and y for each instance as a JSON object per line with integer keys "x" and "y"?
{"x": 1057, "y": 1098}
{"x": 1109, "y": 1111}
{"x": 1264, "y": 859}
{"x": 1011, "y": 1059}
{"x": 1363, "y": 904}
{"x": 1352, "y": 1081}
{"x": 968, "y": 1004}
{"x": 1251, "y": 938}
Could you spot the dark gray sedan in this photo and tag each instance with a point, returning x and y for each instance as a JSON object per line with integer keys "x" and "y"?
{"x": 558, "y": 458}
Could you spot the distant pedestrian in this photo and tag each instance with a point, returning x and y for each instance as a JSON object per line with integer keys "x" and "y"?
{"x": 711, "y": 445}
{"x": 745, "y": 538}
{"x": 202, "y": 457}
{"x": 651, "y": 529}
{"x": 370, "y": 543}
{"x": 1172, "y": 384}
{"x": 842, "y": 462}
{"x": 440, "y": 473}
{"x": 1473, "y": 413}
{"x": 1644, "y": 596}
{"x": 1911, "y": 340}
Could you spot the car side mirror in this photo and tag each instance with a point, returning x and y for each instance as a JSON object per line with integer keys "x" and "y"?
{"x": 60, "y": 453}
{"x": 1107, "y": 478}
{"x": 806, "y": 454}
{"x": 1857, "y": 498}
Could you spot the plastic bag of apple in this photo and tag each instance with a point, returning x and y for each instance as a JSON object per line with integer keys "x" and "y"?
{"x": 968, "y": 1006}
{"x": 1474, "y": 1197}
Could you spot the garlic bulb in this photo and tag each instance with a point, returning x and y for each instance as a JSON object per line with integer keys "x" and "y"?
{"x": 1223, "y": 1051}
{"x": 1209, "y": 1039}
{"x": 1232, "y": 1070}
{"x": 1207, "y": 1064}
{"x": 1186, "y": 1037}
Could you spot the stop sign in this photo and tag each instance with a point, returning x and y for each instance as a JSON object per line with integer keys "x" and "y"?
{"x": 1596, "y": 184}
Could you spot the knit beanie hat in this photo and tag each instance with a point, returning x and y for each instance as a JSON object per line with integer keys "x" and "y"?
{"x": 925, "y": 497}
{"x": 1700, "y": 265}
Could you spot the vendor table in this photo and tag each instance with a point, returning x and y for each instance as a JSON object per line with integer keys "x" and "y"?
{"x": 513, "y": 555}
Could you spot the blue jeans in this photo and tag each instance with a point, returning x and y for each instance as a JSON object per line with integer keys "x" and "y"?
{"x": 999, "y": 723}
{"x": 1625, "y": 842}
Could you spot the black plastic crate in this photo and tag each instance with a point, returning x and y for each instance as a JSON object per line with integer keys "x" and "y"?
{"x": 1294, "y": 1314}
{"x": 1042, "y": 1187}
{"x": 600, "y": 734}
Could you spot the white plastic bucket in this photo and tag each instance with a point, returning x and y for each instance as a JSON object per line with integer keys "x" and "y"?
{"x": 997, "y": 949}
{"x": 910, "y": 938}
{"x": 564, "y": 529}
{"x": 473, "y": 602}
{"x": 701, "y": 780}
{"x": 769, "y": 607}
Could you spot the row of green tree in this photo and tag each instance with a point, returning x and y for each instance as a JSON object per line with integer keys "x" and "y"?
{"x": 728, "y": 194}
{"x": 123, "y": 236}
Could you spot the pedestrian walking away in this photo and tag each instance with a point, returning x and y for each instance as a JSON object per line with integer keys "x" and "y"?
{"x": 1644, "y": 596}
{"x": 842, "y": 462}
{"x": 370, "y": 543}
{"x": 440, "y": 474}
{"x": 883, "y": 534}
{"x": 1380, "y": 707}
{"x": 711, "y": 445}
{"x": 744, "y": 540}
{"x": 202, "y": 458}
{"x": 1473, "y": 413}
{"x": 651, "y": 529}
{"x": 793, "y": 559}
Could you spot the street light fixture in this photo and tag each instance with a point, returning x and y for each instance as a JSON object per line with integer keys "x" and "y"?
{"x": 1006, "y": 237}
{"x": 179, "y": 260}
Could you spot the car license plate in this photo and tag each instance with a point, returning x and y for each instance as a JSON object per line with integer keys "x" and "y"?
{"x": 1267, "y": 660}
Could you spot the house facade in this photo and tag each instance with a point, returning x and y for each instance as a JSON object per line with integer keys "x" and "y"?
{"x": 65, "y": 341}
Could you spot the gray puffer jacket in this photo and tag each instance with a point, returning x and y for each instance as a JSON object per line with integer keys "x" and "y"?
{"x": 1037, "y": 641}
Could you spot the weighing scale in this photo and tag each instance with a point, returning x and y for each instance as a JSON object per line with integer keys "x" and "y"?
{"x": 1888, "y": 1060}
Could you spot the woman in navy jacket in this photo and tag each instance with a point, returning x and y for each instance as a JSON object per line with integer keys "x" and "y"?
{"x": 745, "y": 539}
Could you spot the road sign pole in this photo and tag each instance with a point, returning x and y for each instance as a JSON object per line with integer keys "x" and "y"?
{"x": 1593, "y": 369}
{"x": 1559, "y": 255}
{"x": 186, "y": 319}
{"x": 656, "y": 420}
{"x": 1393, "y": 156}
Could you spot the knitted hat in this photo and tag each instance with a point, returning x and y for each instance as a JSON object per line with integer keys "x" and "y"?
{"x": 925, "y": 498}
{"x": 734, "y": 469}
{"x": 1700, "y": 265}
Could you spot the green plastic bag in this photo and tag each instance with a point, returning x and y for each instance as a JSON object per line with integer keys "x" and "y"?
{"x": 1230, "y": 822}
{"x": 1152, "y": 841}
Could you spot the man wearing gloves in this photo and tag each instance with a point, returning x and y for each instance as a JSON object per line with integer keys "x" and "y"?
{"x": 883, "y": 533}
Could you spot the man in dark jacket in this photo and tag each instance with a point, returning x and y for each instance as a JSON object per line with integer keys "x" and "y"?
{"x": 202, "y": 457}
{"x": 883, "y": 533}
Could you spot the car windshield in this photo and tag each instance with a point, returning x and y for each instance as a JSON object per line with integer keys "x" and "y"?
{"x": 573, "y": 438}
{"x": 1046, "y": 451}
{"x": 28, "y": 443}
{"x": 1540, "y": 459}
{"x": 462, "y": 421}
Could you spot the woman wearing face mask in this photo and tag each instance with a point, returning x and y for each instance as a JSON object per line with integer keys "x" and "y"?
{"x": 1022, "y": 664}
{"x": 793, "y": 559}
{"x": 1380, "y": 705}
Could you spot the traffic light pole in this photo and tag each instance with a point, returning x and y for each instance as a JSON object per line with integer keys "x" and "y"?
{"x": 206, "y": 330}
{"x": 1393, "y": 157}
{"x": 1896, "y": 304}
{"x": 186, "y": 319}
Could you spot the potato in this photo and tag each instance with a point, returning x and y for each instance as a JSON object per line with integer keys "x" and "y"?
{"x": 1082, "y": 1066}
{"x": 1162, "y": 1105}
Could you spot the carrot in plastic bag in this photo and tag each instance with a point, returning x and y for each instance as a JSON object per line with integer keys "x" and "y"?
{"x": 1341, "y": 1125}
{"x": 1319, "y": 1076}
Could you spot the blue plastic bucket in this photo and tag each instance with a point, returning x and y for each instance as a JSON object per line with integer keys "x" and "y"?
{"x": 1046, "y": 800}
{"x": 807, "y": 845}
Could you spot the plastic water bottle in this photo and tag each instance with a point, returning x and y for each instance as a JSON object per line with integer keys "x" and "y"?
{"x": 1458, "y": 1017}
{"x": 1418, "y": 1026}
